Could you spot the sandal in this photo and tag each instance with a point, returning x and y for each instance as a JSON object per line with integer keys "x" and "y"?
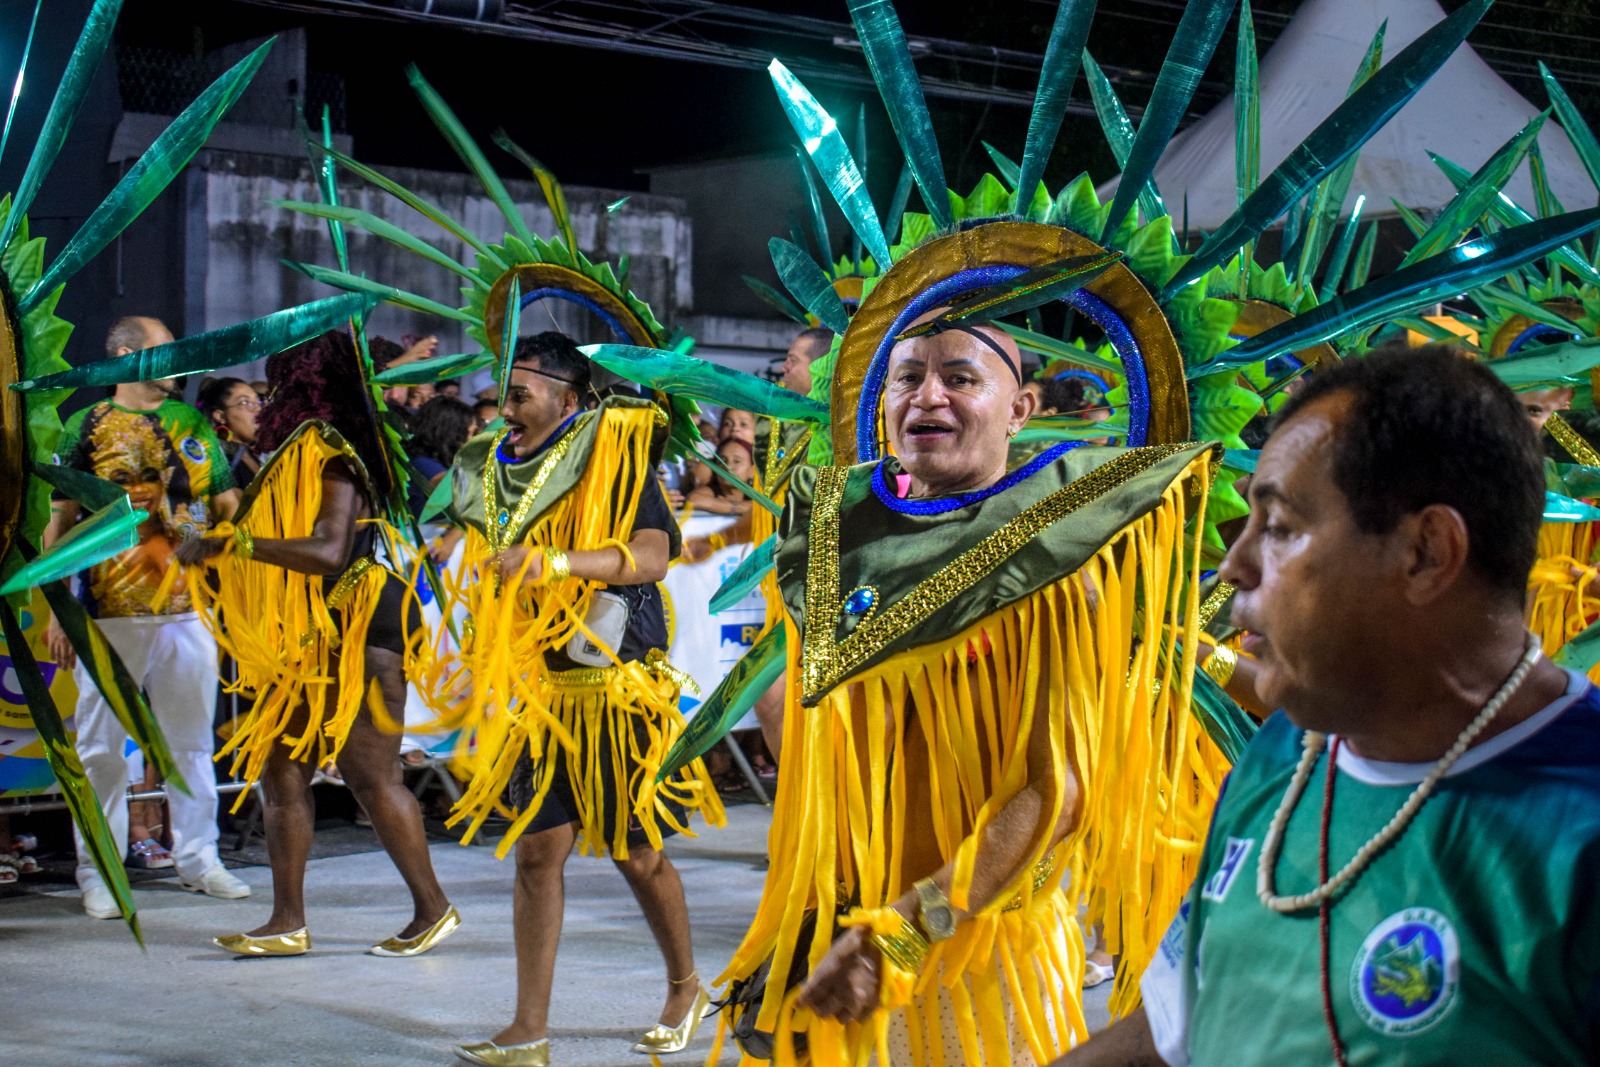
{"x": 148, "y": 855}
{"x": 1097, "y": 974}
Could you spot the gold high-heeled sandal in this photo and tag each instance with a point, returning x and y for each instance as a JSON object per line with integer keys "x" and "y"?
{"x": 663, "y": 1040}
{"x": 448, "y": 923}
{"x": 294, "y": 943}
{"x": 489, "y": 1054}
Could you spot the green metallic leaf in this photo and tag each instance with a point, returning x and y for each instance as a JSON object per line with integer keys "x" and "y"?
{"x": 207, "y": 352}
{"x": 746, "y": 576}
{"x": 465, "y": 147}
{"x": 1050, "y": 429}
{"x": 74, "y": 86}
{"x": 824, "y": 144}
{"x": 1362, "y": 114}
{"x": 808, "y": 284}
{"x": 861, "y": 162}
{"x": 68, "y": 769}
{"x": 149, "y": 175}
{"x": 1544, "y": 198}
{"x": 751, "y": 677}
{"x": 111, "y": 677}
{"x": 440, "y": 498}
{"x": 1444, "y": 275}
{"x": 889, "y": 58}
{"x": 434, "y": 369}
{"x": 1224, "y": 721}
{"x": 1568, "y": 363}
{"x": 342, "y": 280}
{"x": 554, "y": 196}
{"x": 1199, "y": 30}
{"x": 1327, "y": 201}
{"x": 379, "y": 228}
{"x": 1246, "y": 107}
{"x": 1062, "y": 57}
{"x": 22, "y": 69}
{"x": 897, "y": 209}
{"x": 509, "y": 335}
{"x": 1049, "y": 346}
{"x": 1558, "y": 508}
{"x": 1578, "y": 131}
{"x": 1508, "y": 213}
{"x": 699, "y": 379}
{"x": 1035, "y": 287}
{"x": 90, "y": 492}
{"x": 776, "y": 300}
{"x": 1007, "y": 167}
{"x": 427, "y": 209}
{"x": 1460, "y": 216}
{"x": 1582, "y": 652}
{"x": 1361, "y": 267}
{"x": 1119, "y": 132}
{"x": 328, "y": 183}
{"x": 1341, "y": 251}
{"x": 819, "y": 221}
{"x": 112, "y": 530}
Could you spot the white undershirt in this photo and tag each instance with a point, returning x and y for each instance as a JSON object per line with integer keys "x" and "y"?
{"x": 1162, "y": 984}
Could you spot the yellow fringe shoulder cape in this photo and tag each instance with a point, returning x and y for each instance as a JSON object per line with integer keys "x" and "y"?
{"x": 299, "y": 640}
{"x": 580, "y": 493}
{"x": 907, "y": 737}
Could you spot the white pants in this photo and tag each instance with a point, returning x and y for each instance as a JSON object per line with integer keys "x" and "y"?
{"x": 174, "y": 658}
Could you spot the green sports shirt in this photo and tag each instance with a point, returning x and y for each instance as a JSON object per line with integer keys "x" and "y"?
{"x": 1474, "y": 938}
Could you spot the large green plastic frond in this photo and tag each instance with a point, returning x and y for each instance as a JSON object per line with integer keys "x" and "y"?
{"x": 699, "y": 379}
{"x": 1341, "y": 251}
{"x": 1362, "y": 114}
{"x": 434, "y": 369}
{"x": 379, "y": 228}
{"x": 1224, "y": 721}
{"x": 150, "y": 174}
{"x": 110, "y": 531}
{"x": 554, "y": 196}
{"x": 342, "y": 280}
{"x": 752, "y": 676}
{"x": 819, "y": 221}
{"x": 808, "y": 284}
{"x": 1578, "y": 131}
{"x": 426, "y": 208}
{"x": 1199, "y": 30}
{"x": 776, "y": 300}
{"x": 510, "y": 333}
{"x": 1508, "y": 213}
{"x": 1061, "y": 60}
{"x": 825, "y": 145}
{"x": 1568, "y": 363}
{"x": 70, "y": 776}
{"x": 86, "y": 55}
{"x": 90, "y": 492}
{"x": 22, "y": 69}
{"x": 746, "y": 576}
{"x": 1119, "y": 132}
{"x": 889, "y": 58}
{"x": 1475, "y": 198}
{"x": 1454, "y": 271}
{"x": 465, "y": 147}
{"x": 228, "y": 346}
{"x": 1246, "y": 107}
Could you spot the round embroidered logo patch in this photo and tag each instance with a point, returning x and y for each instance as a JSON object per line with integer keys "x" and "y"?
{"x": 1405, "y": 977}
{"x": 193, "y": 449}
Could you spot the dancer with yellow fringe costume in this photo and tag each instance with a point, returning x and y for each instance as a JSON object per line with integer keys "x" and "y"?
{"x": 297, "y": 597}
{"x": 564, "y": 673}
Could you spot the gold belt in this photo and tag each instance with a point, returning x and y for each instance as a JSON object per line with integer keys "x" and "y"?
{"x": 345, "y": 587}
{"x": 654, "y": 661}
{"x": 1041, "y": 874}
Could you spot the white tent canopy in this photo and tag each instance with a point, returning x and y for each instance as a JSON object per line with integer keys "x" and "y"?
{"x": 1464, "y": 113}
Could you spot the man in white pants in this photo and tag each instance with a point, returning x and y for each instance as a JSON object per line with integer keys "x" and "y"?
{"x": 165, "y": 454}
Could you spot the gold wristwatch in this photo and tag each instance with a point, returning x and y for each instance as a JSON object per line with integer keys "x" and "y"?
{"x": 934, "y": 913}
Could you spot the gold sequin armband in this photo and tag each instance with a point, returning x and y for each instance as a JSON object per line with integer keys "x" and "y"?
{"x": 1219, "y": 666}
{"x": 243, "y": 543}
{"x": 557, "y": 568}
{"x": 900, "y": 942}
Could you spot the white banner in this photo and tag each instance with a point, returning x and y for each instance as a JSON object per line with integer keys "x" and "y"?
{"x": 703, "y": 645}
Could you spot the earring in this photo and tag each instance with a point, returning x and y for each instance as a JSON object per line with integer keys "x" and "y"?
{"x": 1013, "y": 431}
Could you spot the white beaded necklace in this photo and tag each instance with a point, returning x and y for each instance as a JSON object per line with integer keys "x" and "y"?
{"x": 1314, "y": 743}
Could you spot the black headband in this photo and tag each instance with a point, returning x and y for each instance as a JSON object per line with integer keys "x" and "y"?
{"x": 940, "y": 326}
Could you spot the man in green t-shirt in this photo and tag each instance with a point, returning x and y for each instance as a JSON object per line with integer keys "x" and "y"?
{"x": 1404, "y": 863}
{"x": 166, "y": 455}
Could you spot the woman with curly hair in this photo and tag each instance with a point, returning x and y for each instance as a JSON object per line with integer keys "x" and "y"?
{"x": 298, "y": 599}
{"x": 233, "y": 406}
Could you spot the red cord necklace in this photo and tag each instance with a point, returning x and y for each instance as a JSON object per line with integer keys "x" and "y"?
{"x": 1325, "y": 909}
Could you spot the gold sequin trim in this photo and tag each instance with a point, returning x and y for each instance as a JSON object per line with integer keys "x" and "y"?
{"x": 595, "y": 677}
{"x": 825, "y": 661}
{"x": 1041, "y": 874}
{"x": 1213, "y": 603}
{"x": 345, "y": 587}
{"x": 494, "y": 532}
{"x": 1569, "y": 439}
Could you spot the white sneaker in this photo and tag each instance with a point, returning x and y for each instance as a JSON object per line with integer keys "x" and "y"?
{"x": 98, "y": 902}
{"x": 217, "y": 882}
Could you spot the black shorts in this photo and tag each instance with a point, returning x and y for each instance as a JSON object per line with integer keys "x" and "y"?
{"x": 560, "y": 805}
{"x": 386, "y": 630}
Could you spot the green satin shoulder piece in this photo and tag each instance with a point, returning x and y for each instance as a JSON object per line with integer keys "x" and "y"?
{"x": 882, "y": 580}
{"x": 334, "y": 439}
{"x": 549, "y": 476}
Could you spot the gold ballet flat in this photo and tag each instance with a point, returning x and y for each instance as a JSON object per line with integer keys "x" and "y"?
{"x": 664, "y": 1040}
{"x": 294, "y": 943}
{"x": 416, "y": 946}
{"x": 489, "y": 1054}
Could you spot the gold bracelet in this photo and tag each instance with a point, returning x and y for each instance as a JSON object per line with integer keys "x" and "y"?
{"x": 1219, "y": 666}
{"x": 906, "y": 948}
{"x": 244, "y": 544}
{"x": 557, "y": 568}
